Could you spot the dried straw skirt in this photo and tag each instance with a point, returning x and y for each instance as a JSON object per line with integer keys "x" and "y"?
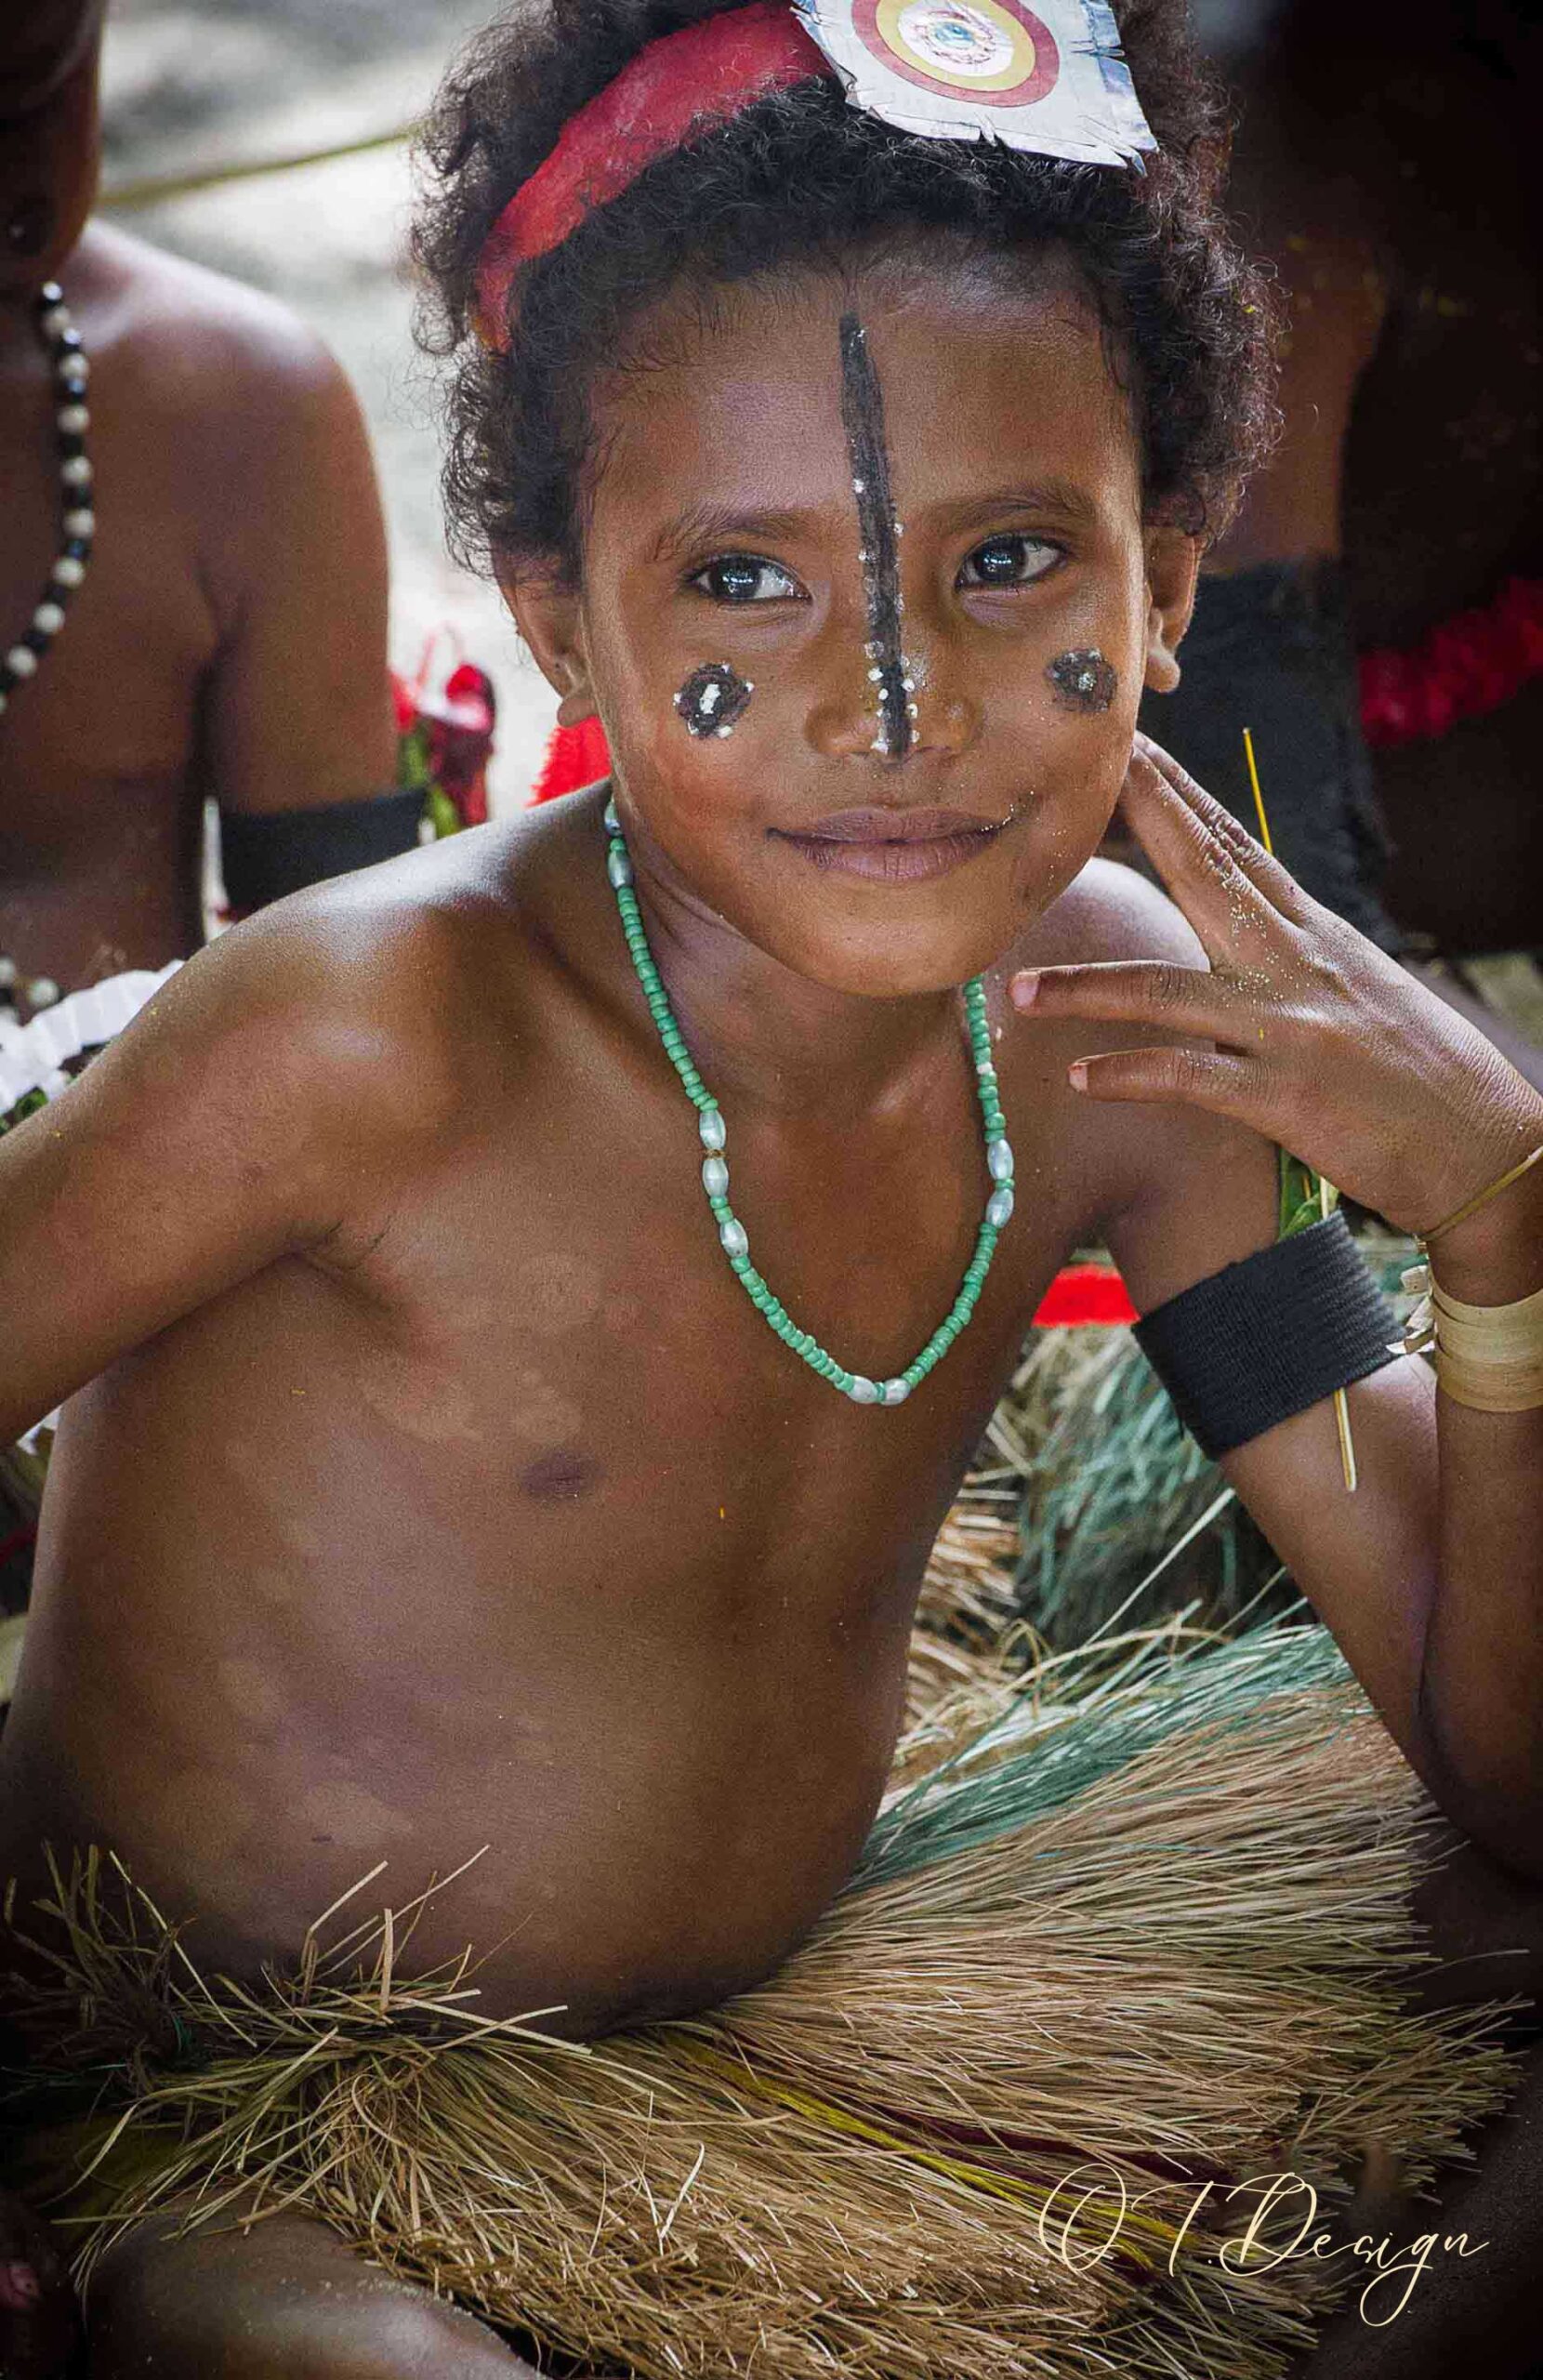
{"x": 1142, "y": 1932}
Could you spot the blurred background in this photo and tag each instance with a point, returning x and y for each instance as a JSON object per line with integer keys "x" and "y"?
{"x": 191, "y": 86}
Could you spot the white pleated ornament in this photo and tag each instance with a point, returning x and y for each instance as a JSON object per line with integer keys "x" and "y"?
{"x": 1051, "y": 80}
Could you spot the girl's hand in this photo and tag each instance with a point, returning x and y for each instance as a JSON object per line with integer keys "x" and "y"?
{"x": 1324, "y": 1044}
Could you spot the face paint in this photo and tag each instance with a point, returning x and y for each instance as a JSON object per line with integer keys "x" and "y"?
{"x": 712, "y": 698}
{"x": 879, "y": 534}
{"x": 1083, "y": 679}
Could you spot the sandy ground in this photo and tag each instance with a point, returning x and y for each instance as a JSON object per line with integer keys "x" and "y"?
{"x": 194, "y": 83}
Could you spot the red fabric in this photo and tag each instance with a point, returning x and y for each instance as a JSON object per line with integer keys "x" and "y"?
{"x": 575, "y": 757}
{"x": 1466, "y": 667}
{"x": 1081, "y": 1294}
{"x": 674, "y": 88}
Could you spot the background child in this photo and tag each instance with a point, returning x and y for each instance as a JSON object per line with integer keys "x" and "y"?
{"x": 220, "y": 622}
{"x": 467, "y": 1506}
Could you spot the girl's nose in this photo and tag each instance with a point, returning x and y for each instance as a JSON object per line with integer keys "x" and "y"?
{"x": 846, "y": 720}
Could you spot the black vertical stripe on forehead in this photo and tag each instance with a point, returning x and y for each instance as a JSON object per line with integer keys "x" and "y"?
{"x": 863, "y": 416}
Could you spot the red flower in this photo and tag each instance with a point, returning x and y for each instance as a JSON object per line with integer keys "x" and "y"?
{"x": 460, "y": 722}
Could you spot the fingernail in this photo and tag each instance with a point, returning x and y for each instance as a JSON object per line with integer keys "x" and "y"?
{"x": 1025, "y": 989}
{"x": 1077, "y": 1074}
{"x": 20, "y": 2285}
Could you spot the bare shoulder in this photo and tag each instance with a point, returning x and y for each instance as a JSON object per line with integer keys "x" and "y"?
{"x": 280, "y": 1097}
{"x": 1109, "y": 911}
{"x": 1149, "y": 1170}
{"x": 394, "y": 985}
{"x": 199, "y": 332}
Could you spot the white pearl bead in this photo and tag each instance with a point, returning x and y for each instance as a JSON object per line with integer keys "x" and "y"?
{"x": 76, "y": 471}
{"x": 74, "y": 371}
{"x": 715, "y": 1177}
{"x": 710, "y": 1124}
{"x": 8, "y": 974}
{"x": 21, "y": 661}
{"x": 863, "y": 1391}
{"x": 1000, "y": 1160}
{"x": 43, "y": 993}
{"x": 73, "y": 419}
{"x": 82, "y": 522}
{"x": 1000, "y": 1207}
{"x": 895, "y": 1391}
{"x": 69, "y": 570}
{"x": 49, "y": 618}
{"x": 56, "y": 322}
{"x": 609, "y": 819}
{"x": 735, "y": 1238}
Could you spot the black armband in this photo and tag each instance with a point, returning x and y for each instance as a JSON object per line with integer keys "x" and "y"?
{"x": 1259, "y": 1341}
{"x": 265, "y": 853}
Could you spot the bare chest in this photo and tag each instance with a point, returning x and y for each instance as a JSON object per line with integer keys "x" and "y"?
{"x": 96, "y": 746}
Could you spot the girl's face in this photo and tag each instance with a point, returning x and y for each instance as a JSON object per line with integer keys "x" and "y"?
{"x": 928, "y": 688}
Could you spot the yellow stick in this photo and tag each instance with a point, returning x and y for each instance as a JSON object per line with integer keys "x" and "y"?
{"x": 1325, "y": 1195}
{"x": 1259, "y": 797}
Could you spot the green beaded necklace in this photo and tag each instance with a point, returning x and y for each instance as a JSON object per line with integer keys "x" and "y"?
{"x": 715, "y": 1169}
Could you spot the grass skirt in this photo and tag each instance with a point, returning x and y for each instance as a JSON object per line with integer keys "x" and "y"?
{"x": 1129, "y": 1927}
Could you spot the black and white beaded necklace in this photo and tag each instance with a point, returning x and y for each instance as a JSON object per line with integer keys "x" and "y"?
{"x": 71, "y": 373}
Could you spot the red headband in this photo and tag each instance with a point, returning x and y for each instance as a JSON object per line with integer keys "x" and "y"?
{"x": 681, "y": 84}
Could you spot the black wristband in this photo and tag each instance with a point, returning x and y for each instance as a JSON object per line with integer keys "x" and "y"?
{"x": 265, "y": 853}
{"x": 1252, "y": 1344}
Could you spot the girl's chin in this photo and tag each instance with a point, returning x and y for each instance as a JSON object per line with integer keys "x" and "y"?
{"x": 924, "y": 965}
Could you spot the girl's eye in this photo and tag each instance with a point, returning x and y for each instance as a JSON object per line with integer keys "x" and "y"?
{"x": 1008, "y": 562}
{"x": 743, "y": 579}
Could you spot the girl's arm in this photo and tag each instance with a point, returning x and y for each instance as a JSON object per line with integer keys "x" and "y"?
{"x": 1431, "y": 1574}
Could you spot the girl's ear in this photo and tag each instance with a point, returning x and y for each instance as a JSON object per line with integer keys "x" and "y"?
{"x": 1172, "y": 567}
{"x": 549, "y": 618}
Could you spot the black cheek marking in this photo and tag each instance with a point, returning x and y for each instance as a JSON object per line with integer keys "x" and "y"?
{"x": 712, "y": 698}
{"x": 863, "y": 418}
{"x": 1083, "y": 679}
{"x": 560, "y": 1478}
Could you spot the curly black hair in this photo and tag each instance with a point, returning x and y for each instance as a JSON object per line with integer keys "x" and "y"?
{"x": 803, "y": 181}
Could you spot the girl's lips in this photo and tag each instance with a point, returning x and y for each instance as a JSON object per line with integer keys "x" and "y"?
{"x": 893, "y": 827}
{"x": 893, "y": 846}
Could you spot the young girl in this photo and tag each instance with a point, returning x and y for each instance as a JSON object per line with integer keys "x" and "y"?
{"x": 526, "y": 1309}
